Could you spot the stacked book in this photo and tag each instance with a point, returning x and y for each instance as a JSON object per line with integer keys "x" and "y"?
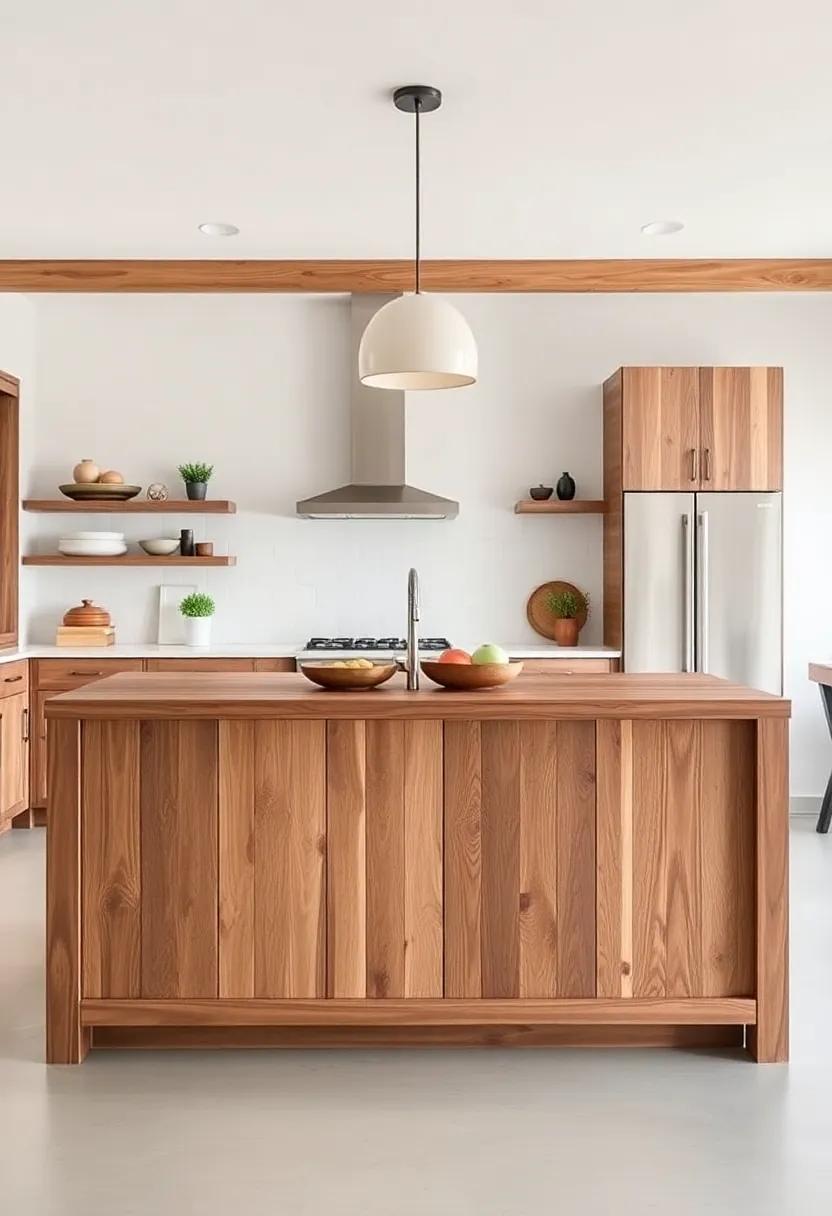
{"x": 85, "y": 635}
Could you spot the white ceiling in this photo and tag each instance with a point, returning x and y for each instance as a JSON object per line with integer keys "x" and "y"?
{"x": 566, "y": 125}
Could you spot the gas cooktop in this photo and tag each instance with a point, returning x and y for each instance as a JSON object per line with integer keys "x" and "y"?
{"x": 374, "y": 644}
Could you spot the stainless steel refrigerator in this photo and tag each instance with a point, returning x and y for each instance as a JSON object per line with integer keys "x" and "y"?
{"x": 703, "y": 585}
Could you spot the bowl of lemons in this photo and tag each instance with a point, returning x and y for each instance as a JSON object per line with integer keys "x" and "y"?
{"x": 349, "y": 675}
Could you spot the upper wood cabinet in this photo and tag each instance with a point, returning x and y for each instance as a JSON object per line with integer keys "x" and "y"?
{"x": 689, "y": 428}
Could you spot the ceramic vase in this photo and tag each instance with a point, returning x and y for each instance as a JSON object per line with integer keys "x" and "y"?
{"x": 566, "y": 487}
{"x": 196, "y": 490}
{"x": 565, "y": 630}
{"x": 85, "y": 473}
{"x": 197, "y": 630}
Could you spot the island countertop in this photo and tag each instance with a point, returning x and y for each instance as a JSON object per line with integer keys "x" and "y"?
{"x": 265, "y": 695}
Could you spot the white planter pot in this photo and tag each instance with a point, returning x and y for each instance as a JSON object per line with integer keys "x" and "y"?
{"x": 197, "y": 630}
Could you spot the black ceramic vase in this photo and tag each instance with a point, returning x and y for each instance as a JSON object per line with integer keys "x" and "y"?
{"x": 566, "y": 487}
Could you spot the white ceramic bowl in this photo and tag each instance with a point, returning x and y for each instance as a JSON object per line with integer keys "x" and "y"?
{"x": 91, "y": 548}
{"x": 160, "y": 546}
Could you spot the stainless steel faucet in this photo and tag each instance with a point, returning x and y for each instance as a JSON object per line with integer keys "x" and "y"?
{"x": 412, "y": 660}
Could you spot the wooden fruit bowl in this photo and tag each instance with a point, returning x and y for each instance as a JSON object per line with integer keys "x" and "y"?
{"x": 347, "y": 678}
{"x": 471, "y": 676}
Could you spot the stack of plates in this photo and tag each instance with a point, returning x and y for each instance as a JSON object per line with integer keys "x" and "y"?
{"x": 92, "y": 544}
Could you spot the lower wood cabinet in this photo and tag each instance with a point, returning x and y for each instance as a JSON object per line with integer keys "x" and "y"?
{"x": 568, "y": 667}
{"x": 14, "y": 756}
{"x": 418, "y": 859}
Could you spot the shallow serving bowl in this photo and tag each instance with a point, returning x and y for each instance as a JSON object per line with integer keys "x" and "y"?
{"x": 71, "y": 546}
{"x": 469, "y": 677}
{"x": 89, "y": 491}
{"x": 160, "y": 546}
{"x": 348, "y": 678}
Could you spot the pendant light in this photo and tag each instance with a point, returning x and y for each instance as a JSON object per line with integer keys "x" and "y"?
{"x": 417, "y": 341}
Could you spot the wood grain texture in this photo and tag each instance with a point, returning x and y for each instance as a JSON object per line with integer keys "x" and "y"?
{"x": 346, "y": 859}
{"x": 196, "y": 665}
{"x": 463, "y": 859}
{"x": 67, "y": 1042}
{"x": 660, "y": 427}
{"x": 614, "y": 859}
{"x": 9, "y": 498}
{"x": 742, "y": 428}
{"x": 14, "y": 756}
{"x": 236, "y": 859}
{"x": 497, "y": 1036}
{"x": 403, "y": 1012}
{"x": 260, "y": 695}
{"x": 519, "y": 859}
{"x": 452, "y": 275}
{"x": 692, "y": 826}
{"x": 127, "y": 559}
{"x": 290, "y": 848}
{"x": 556, "y": 506}
{"x": 134, "y": 506}
{"x": 59, "y": 674}
{"x": 769, "y": 1041}
{"x": 14, "y": 678}
{"x": 613, "y": 552}
{"x": 275, "y": 665}
{"x": 385, "y": 859}
{"x": 566, "y": 666}
{"x": 111, "y": 871}
{"x": 179, "y": 859}
{"x": 423, "y": 814}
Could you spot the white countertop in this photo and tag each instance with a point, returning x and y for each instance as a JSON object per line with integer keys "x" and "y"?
{"x": 264, "y": 650}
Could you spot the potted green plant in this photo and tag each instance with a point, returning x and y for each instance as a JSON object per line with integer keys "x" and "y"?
{"x": 196, "y": 477}
{"x": 197, "y": 609}
{"x": 566, "y": 607}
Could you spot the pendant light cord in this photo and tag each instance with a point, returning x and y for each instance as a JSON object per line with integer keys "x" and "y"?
{"x": 418, "y": 106}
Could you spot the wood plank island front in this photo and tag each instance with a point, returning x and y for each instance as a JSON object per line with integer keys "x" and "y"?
{"x": 242, "y": 860}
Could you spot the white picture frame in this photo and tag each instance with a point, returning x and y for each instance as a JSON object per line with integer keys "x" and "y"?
{"x": 171, "y": 631}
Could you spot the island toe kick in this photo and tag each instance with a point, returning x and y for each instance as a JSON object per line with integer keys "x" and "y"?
{"x": 585, "y": 862}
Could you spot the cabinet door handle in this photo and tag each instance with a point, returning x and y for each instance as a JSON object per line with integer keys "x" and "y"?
{"x": 11, "y": 679}
{"x": 706, "y": 464}
{"x": 25, "y": 725}
{"x": 693, "y": 464}
{"x": 86, "y": 673}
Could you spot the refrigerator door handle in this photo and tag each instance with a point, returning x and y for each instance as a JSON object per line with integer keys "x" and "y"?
{"x": 687, "y": 594}
{"x": 702, "y": 597}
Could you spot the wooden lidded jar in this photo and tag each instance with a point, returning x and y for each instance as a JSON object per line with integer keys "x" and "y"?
{"x": 87, "y": 615}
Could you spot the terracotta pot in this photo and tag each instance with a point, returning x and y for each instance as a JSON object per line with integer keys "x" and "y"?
{"x": 85, "y": 472}
{"x": 565, "y": 630}
{"x": 87, "y": 614}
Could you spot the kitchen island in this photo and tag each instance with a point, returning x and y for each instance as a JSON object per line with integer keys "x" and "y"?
{"x": 245, "y": 860}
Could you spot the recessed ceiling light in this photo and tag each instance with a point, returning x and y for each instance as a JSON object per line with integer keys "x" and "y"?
{"x": 662, "y": 227}
{"x": 215, "y": 228}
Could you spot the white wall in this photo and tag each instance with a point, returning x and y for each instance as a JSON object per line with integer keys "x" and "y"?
{"x": 259, "y": 386}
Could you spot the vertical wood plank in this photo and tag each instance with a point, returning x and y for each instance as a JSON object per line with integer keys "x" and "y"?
{"x": 346, "y": 860}
{"x": 684, "y": 861}
{"x": 236, "y": 859}
{"x": 179, "y": 859}
{"x": 614, "y": 858}
{"x": 769, "y": 1039}
{"x": 111, "y": 834}
{"x": 385, "y": 858}
{"x": 726, "y": 776}
{"x": 290, "y": 846}
{"x": 661, "y": 427}
{"x": 67, "y": 1042}
{"x": 500, "y": 858}
{"x": 423, "y": 859}
{"x": 463, "y": 859}
{"x": 576, "y": 859}
{"x": 649, "y": 859}
{"x": 539, "y": 926}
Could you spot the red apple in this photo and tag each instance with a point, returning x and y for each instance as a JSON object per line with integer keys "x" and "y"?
{"x": 454, "y": 656}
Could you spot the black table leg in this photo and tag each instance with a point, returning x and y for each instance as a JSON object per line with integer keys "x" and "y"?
{"x": 825, "y": 817}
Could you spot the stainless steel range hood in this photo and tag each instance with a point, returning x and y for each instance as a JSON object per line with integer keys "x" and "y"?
{"x": 378, "y": 489}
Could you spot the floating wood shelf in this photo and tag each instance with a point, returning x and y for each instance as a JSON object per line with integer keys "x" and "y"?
{"x": 554, "y": 506}
{"x": 129, "y": 559}
{"x": 172, "y": 506}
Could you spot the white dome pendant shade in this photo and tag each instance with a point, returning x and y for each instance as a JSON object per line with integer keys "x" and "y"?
{"x": 417, "y": 342}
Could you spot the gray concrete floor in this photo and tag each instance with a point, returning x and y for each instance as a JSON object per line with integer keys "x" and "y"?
{"x": 491, "y": 1133}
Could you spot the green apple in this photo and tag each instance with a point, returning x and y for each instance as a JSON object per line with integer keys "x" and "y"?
{"x": 489, "y": 653}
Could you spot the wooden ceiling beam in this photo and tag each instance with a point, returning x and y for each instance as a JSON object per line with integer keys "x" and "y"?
{"x": 487, "y": 275}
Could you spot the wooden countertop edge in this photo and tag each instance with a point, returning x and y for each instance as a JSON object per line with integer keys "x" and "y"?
{"x": 438, "y": 1011}
{"x": 820, "y": 673}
